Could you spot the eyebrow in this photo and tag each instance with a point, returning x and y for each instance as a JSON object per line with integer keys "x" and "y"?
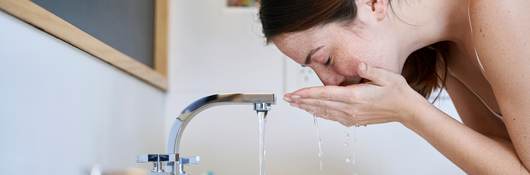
{"x": 311, "y": 53}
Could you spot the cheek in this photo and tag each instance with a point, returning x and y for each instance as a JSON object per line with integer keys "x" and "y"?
{"x": 347, "y": 67}
{"x": 388, "y": 62}
{"x": 372, "y": 56}
{"x": 328, "y": 76}
{"x": 348, "y": 60}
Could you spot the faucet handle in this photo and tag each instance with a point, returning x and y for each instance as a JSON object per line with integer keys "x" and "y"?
{"x": 262, "y": 107}
{"x": 146, "y": 158}
{"x": 194, "y": 160}
{"x": 158, "y": 161}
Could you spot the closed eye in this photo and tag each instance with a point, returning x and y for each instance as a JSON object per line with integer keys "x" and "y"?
{"x": 329, "y": 61}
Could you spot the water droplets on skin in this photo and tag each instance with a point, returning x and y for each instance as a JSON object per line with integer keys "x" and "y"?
{"x": 261, "y": 141}
{"x": 320, "y": 153}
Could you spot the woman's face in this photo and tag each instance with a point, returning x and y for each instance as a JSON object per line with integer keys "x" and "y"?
{"x": 334, "y": 51}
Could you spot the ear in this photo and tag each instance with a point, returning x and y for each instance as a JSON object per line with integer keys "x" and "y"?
{"x": 378, "y": 8}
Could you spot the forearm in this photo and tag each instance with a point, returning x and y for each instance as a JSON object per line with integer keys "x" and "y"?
{"x": 472, "y": 151}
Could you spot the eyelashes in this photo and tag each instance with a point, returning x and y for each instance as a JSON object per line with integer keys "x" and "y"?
{"x": 329, "y": 61}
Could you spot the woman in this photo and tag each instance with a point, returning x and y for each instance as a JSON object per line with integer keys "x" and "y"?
{"x": 380, "y": 59}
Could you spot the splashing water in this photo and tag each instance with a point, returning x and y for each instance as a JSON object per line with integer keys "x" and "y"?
{"x": 320, "y": 153}
{"x": 261, "y": 141}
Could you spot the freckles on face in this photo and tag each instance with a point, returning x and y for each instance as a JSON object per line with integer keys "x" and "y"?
{"x": 345, "y": 48}
{"x": 327, "y": 59}
{"x": 364, "y": 48}
{"x": 307, "y": 50}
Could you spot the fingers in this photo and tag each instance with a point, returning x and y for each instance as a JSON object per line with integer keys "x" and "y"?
{"x": 327, "y": 113}
{"x": 331, "y": 110}
{"x": 340, "y": 112}
{"x": 333, "y": 105}
{"x": 331, "y": 93}
{"x": 376, "y": 75}
{"x": 349, "y": 94}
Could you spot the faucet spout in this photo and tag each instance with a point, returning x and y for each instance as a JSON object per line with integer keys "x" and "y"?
{"x": 175, "y": 163}
{"x": 262, "y": 104}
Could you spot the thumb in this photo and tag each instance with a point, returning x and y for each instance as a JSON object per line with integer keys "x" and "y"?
{"x": 376, "y": 75}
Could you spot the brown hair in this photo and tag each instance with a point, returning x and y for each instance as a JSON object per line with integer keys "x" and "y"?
{"x": 286, "y": 16}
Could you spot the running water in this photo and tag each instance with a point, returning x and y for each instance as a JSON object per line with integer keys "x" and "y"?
{"x": 351, "y": 137}
{"x": 261, "y": 141}
{"x": 347, "y": 141}
{"x": 320, "y": 153}
{"x": 350, "y": 144}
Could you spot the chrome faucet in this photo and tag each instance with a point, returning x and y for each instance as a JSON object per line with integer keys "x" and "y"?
{"x": 175, "y": 163}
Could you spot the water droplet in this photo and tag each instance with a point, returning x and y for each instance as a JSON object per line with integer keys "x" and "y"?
{"x": 319, "y": 144}
{"x": 353, "y": 161}
{"x": 351, "y": 148}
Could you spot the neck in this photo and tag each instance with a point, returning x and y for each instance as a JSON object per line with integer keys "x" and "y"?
{"x": 422, "y": 23}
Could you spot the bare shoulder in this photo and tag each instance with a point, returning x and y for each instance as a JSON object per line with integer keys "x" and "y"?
{"x": 498, "y": 20}
{"x": 490, "y": 10}
{"x": 501, "y": 35}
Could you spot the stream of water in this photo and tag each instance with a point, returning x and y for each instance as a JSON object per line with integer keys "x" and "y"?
{"x": 350, "y": 145}
{"x": 261, "y": 141}
{"x": 320, "y": 153}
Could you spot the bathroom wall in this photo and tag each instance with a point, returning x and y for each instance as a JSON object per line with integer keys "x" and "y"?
{"x": 218, "y": 50}
{"x": 63, "y": 111}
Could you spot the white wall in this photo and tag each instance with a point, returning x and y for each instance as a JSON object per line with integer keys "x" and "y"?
{"x": 215, "y": 50}
{"x": 63, "y": 111}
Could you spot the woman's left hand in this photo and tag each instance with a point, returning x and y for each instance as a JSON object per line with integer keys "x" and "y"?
{"x": 385, "y": 98}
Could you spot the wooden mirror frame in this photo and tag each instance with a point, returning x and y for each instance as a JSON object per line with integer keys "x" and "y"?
{"x": 48, "y": 22}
